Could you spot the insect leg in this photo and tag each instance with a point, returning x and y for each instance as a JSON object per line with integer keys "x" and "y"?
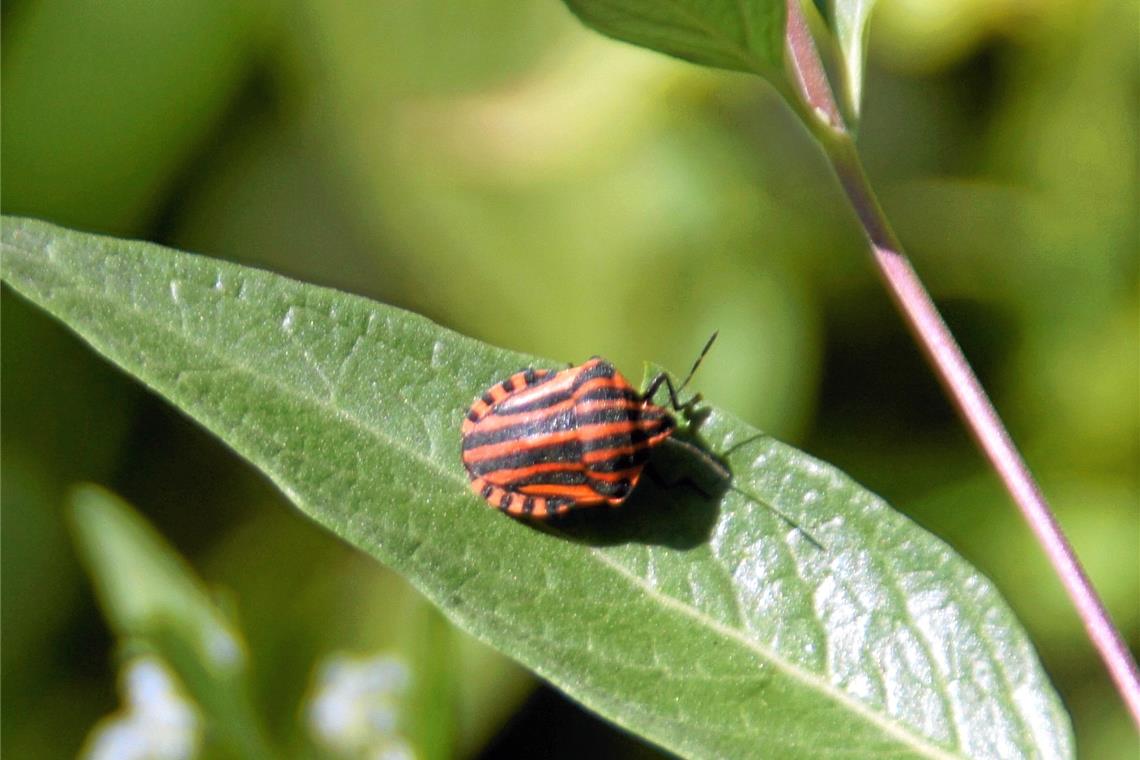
{"x": 684, "y": 408}
{"x": 674, "y": 392}
{"x": 684, "y": 480}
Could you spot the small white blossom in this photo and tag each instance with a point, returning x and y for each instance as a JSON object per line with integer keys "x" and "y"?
{"x": 395, "y": 749}
{"x": 354, "y": 709}
{"x": 222, "y": 649}
{"x": 156, "y": 721}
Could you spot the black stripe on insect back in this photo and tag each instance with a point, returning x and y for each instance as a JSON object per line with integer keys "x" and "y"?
{"x": 533, "y": 424}
{"x": 607, "y": 415}
{"x": 610, "y": 488}
{"x": 567, "y": 451}
{"x": 633, "y": 436}
{"x": 571, "y": 452}
{"x": 530, "y": 427}
{"x": 607, "y": 392}
{"x": 551, "y": 478}
{"x": 603, "y": 393}
{"x": 602, "y": 369}
{"x": 619, "y": 462}
{"x": 532, "y": 376}
{"x": 507, "y": 408}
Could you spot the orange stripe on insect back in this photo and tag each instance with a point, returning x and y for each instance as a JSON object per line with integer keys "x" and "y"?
{"x": 506, "y": 448}
{"x": 600, "y": 382}
{"x": 561, "y": 383}
{"x": 584, "y": 434}
{"x": 606, "y": 429}
{"x": 518, "y": 380}
{"x": 579, "y": 494}
{"x": 631, "y": 474}
{"x": 597, "y": 404}
{"x": 504, "y": 417}
{"x": 501, "y": 419}
{"x": 601, "y": 455}
{"x": 497, "y": 392}
{"x": 540, "y": 510}
{"x": 506, "y": 477}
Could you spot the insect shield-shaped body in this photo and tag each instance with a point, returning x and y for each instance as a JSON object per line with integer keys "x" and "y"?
{"x": 542, "y": 442}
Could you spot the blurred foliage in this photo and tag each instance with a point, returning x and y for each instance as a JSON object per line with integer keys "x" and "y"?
{"x": 503, "y": 171}
{"x": 155, "y": 605}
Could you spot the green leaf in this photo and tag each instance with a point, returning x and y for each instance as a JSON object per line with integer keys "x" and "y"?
{"x": 848, "y": 21}
{"x": 152, "y": 599}
{"x": 705, "y": 624}
{"x": 741, "y": 35}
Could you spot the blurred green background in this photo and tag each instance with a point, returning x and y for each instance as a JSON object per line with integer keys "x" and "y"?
{"x": 519, "y": 179}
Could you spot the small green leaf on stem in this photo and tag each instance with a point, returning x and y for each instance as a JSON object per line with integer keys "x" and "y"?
{"x": 741, "y": 35}
{"x": 848, "y": 21}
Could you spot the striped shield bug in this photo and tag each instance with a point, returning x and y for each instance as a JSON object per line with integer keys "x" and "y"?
{"x": 544, "y": 442}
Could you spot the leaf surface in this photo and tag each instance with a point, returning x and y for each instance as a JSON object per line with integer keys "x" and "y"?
{"x": 848, "y": 21}
{"x": 729, "y": 34}
{"x": 704, "y": 623}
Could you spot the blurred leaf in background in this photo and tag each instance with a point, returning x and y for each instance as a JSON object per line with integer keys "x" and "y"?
{"x": 509, "y": 174}
{"x": 154, "y": 604}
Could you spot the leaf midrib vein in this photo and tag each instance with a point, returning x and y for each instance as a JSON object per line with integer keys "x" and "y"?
{"x": 792, "y": 670}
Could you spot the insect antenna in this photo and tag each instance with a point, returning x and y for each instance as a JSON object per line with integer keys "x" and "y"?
{"x": 697, "y": 363}
{"x": 715, "y": 465}
{"x": 792, "y": 523}
{"x": 675, "y": 391}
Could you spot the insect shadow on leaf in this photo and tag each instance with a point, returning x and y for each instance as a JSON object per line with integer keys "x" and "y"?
{"x": 675, "y": 505}
{"x": 691, "y": 482}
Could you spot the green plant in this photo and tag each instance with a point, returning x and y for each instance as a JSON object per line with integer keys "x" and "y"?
{"x": 352, "y": 409}
{"x": 683, "y": 619}
{"x": 752, "y": 38}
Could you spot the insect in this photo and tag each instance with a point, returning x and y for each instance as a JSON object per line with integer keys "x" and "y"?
{"x": 544, "y": 442}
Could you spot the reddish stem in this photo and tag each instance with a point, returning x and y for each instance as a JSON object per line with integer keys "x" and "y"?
{"x": 947, "y": 359}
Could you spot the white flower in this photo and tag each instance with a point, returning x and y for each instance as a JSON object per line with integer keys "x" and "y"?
{"x": 355, "y": 707}
{"x": 156, "y": 721}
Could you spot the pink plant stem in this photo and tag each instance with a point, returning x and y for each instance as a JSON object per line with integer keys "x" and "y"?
{"x": 949, "y": 363}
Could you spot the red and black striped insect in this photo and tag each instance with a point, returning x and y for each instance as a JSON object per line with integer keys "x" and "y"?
{"x": 544, "y": 442}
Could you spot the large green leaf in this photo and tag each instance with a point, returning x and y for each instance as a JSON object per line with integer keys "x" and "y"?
{"x": 705, "y": 624}
{"x": 743, "y": 35}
